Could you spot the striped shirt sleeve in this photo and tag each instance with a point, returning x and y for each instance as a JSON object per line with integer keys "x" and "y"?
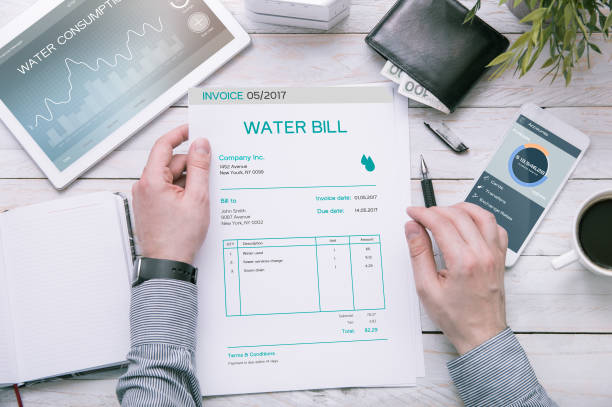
{"x": 498, "y": 373}
{"x": 161, "y": 369}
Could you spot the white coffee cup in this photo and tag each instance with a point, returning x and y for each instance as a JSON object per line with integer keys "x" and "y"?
{"x": 578, "y": 253}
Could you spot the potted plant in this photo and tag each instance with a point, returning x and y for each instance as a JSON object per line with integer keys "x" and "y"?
{"x": 565, "y": 25}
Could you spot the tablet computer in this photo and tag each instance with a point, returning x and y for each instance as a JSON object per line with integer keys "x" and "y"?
{"x": 79, "y": 77}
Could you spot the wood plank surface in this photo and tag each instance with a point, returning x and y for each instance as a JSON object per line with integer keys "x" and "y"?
{"x": 335, "y": 59}
{"x": 549, "y": 306}
{"x": 539, "y": 299}
{"x": 551, "y": 238}
{"x": 341, "y": 59}
{"x": 363, "y": 17}
{"x": 573, "y": 369}
{"x": 481, "y": 129}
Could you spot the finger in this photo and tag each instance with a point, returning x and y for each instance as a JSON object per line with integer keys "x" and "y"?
{"x": 466, "y": 227}
{"x": 423, "y": 263}
{"x": 485, "y": 221}
{"x": 448, "y": 238}
{"x": 177, "y": 165}
{"x": 161, "y": 153}
{"x": 198, "y": 169}
{"x": 503, "y": 238}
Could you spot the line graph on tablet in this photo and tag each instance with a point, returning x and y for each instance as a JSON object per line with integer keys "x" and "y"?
{"x": 88, "y": 67}
{"x": 101, "y": 92}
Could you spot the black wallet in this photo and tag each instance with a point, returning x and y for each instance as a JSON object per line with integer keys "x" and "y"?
{"x": 428, "y": 40}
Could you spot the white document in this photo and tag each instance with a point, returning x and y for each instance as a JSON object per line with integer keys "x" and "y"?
{"x": 305, "y": 279}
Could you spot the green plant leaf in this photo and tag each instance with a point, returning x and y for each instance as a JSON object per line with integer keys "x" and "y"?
{"x": 581, "y": 47}
{"x": 501, "y": 58}
{"x": 568, "y": 39}
{"x": 536, "y": 14}
{"x": 581, "y": 25}
{"x": 568, "y": 12}
{"x": 594, "y": 47}
{"x": 592, "y": 20}
{"x": 526, "y": 58}
{"x": 551, "y": 71}
{"x": 469, "y": 16}
{"x": 602, "y": 21}
{"x": 472, "y": 13}
{"x": 520, "y": 41}
{"x": 567, "y": 73}
{"x": 608, "y": 22}
{"x": 546, "y": 34}
{"x": 535, "y": 57}
{"x": 549, "y": 62}
{"x": 592, "y": 27}
{"x": 537, "y": 25}
{"x": 501, "y": 69}
{"x": 564, "y": 26}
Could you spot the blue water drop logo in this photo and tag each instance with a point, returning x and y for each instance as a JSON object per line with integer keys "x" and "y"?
{"x": 368, "y": 163}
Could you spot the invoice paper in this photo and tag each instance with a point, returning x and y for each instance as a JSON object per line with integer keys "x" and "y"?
{"x": 305, "y": 280}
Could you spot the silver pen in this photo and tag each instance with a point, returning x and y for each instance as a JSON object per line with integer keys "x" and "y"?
{"x": 445, "y": 134}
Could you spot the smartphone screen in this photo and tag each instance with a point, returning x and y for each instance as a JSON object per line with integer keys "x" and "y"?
{"x": 523, "y": 177}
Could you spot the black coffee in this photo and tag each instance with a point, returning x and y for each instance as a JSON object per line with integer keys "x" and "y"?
{"x": 595, "y": 233}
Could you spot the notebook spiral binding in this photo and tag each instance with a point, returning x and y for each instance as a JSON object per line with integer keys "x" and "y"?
{"x": 129, "y": 225}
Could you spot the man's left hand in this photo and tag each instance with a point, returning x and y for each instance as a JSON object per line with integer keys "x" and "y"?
{"x": 171, "y": 208}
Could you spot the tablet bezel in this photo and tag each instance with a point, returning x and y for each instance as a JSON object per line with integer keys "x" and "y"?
{"x": 61, "y": 179}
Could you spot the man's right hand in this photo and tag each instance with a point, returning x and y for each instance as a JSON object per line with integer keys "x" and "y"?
{"x": 171, "y": 209}
{"x": 466, "y": 300}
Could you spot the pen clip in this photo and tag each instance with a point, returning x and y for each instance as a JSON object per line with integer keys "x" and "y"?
{"x": 444, "y": 133}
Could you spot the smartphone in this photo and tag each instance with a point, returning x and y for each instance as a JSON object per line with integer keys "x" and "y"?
{"x": 527, "y": 172}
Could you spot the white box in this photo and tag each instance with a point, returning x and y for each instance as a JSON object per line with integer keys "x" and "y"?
{"x": 297, "y": 22}
{"x": 321, "y": 10}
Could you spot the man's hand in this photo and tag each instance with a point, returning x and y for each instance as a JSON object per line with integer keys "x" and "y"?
{"x": 171, "y": 209}
{"x": 466, "y": 299}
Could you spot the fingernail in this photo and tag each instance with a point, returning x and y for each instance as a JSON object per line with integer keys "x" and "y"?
{"x": 412, "y": 230}
{"x": 201, "y": 146}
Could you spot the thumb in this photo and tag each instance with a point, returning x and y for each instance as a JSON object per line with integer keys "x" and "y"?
{"x": 423, "y": 263}
{"x": 198, "y": 169}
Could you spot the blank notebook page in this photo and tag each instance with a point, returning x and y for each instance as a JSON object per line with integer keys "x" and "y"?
{"x": 8, "y": 365}
{"x": 68, "y": 276}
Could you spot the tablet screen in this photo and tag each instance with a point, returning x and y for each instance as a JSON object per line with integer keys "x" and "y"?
{"x": 87, "y": 67}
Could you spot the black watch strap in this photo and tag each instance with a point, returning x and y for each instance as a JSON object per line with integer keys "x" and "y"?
{"x": 147, "y": 269}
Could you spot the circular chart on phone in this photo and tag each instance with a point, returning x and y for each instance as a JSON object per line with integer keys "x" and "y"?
{"x": 528, "y": 165}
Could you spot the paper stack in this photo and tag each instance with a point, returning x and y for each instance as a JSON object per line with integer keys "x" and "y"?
{"x": 308, "y": 282}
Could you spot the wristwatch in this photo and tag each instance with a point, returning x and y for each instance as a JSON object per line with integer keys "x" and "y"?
{"x": 148, "y": 269}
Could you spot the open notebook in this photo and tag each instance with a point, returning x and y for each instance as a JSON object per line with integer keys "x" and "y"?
{"x": 64, "y": 287}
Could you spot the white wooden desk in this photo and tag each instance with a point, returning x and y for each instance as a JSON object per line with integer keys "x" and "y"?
{"x": 563, "y": 318}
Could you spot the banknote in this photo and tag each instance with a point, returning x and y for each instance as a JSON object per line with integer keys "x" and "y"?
{"x": 410, "y": 88}
{"x": 392, "y": 72}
